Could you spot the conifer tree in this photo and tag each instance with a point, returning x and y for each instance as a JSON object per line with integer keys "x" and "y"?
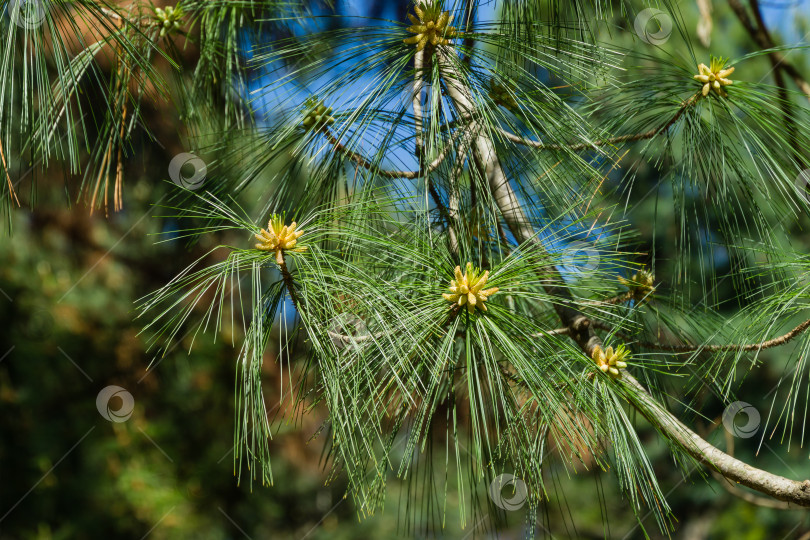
{"x": 442, "y": 202}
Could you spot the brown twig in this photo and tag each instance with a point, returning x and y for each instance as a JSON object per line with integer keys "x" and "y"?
{"x": 11, "y": 191}
{"x": 445, "y": 213}
{"x": 775, "y": 342}
{"x": 289, "y": 283}
{"x": 367, "y": 164}
{"x": 556, "y": 332}
{"x": 618, "y": 299}
{"x": 602, "y": 142}
{"x": 784, "y": 98}
{"x": 762, "y": 38}
{"x": 143, "y": 22}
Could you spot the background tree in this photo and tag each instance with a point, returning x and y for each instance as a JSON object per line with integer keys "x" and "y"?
{"x": 468, "y": 282}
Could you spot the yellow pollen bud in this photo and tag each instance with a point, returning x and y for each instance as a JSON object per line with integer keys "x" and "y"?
{"x": 279, "y": 238}
{"x": 468, "y": 288}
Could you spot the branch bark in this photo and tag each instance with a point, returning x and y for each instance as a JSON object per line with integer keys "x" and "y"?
{"x": 418, "y": 86}
{"x": 733, "y": 488}
{"x": 778, "y": 487}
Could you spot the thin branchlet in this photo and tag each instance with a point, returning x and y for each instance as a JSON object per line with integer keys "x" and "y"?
{"x": 742, "y": 347}
{"x": 632, "y": 137}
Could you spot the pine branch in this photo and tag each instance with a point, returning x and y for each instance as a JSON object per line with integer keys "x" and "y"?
{"x": 508, "y": 205}
{"x": 618, "y": 299}
{"x": 775, "y": 486}
{"x": 418, "y": 87}
{"x": 602, "y": 142}
{"x": 438, "y": 200}
{"x": 734, "y": 489}
{"x": 143, "y": 22}
{"x": 581, "y": 330}
{"x": 418, "y": 117}
{"x": 556, "y": 332}
{"x": 784, "y": 98}
{"x": 367, "y": 164}
{"x": 454, "y": 194}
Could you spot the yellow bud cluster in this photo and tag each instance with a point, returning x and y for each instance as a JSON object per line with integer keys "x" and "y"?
{"x": 610, "y": 361}
{"x": 714, "y": 77}
{"x": 468, "y": 288}
{"x": 279, "y": 238}
{"x": 431, "y": 26}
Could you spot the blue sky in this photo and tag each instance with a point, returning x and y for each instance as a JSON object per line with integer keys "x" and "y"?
{"x": 781, "y": 16}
